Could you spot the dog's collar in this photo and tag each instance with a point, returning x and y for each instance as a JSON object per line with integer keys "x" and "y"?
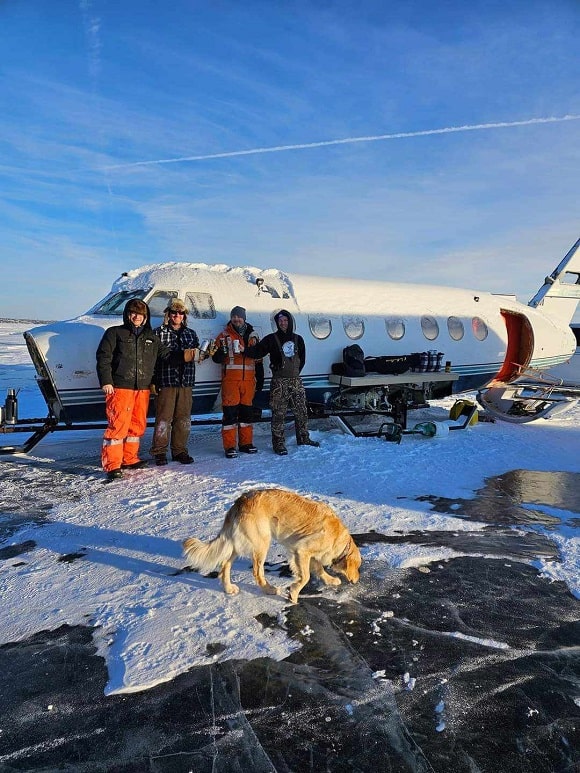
{"x": 344, "y": 553}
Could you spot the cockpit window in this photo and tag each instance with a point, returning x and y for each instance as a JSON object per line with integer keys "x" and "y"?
{"x": 115, "y": 303}
{"x": 159, "y": 301}
{"x": 201, "y": 305}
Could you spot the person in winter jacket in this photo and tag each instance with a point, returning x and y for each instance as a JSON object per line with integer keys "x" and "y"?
{"x": 287, "y": 358}
{"x": 126, "y": 359}
{"x": 174, "y": 388}
{"x": 238, "y": 383}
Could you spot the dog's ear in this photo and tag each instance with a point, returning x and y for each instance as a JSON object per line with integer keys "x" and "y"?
{"x": 349, "y": 563}
{"x": 353, "y": 562}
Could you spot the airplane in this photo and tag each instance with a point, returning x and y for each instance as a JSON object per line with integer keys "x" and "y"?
{"x": 458, "y": 339}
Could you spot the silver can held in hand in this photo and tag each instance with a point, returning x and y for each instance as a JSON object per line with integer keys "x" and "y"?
{"x": 203, "y": 350}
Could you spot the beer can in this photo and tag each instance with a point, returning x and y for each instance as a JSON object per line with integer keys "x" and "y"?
{"x": 236, "y": 346}
{"x": 204, "y": 346}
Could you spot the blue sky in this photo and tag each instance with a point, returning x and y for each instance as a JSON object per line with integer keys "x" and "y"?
{"x": 101, "y": 98}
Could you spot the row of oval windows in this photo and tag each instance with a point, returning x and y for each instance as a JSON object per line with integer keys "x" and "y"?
{"x": 354, "y": 327}
{"x": 201, "y": 306}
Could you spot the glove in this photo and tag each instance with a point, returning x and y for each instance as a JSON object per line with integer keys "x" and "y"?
{"x": 189, "y": 355}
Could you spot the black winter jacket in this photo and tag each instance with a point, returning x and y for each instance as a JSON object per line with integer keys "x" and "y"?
{"x": 127, "y": 359}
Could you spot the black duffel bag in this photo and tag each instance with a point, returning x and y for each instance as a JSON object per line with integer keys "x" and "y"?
{"x": 387, "y": 366}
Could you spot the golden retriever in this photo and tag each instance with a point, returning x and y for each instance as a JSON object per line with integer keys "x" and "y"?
{"x": 311, "y": 532}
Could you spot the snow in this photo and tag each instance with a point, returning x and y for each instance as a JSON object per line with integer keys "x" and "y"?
{"x": 119, "y": 545}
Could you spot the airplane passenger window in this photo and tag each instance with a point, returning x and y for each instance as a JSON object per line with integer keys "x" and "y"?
{"x": 395, "y": 328}
{"x": 159, "y": 301}
{"x": 455, "y": 328}
{"x": 479, "y": 328}
{"x": 430, "y": 328}
{"x": 114, "y": 304}
{"x": 354, "y": 327}
{"x": 201, "y": 305}
{"x": 320, "y": 327}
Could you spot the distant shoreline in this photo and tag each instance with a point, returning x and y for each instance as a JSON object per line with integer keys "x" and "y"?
{"x": 31, "y": 321}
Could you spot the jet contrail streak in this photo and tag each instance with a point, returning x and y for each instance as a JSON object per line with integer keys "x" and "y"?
{"x": 349, "y": 140}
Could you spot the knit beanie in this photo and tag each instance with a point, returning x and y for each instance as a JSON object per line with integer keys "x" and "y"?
{"x": 238, "y": 311}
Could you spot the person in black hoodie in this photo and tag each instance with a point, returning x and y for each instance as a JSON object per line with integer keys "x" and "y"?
{"x": 287, "y": 357}
{"x": 126, "y": 359}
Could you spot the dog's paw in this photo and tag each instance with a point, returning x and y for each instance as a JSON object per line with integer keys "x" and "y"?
{"x": 291, "y": 595}
{"x": 232, "y": 590}
{"x": 333, "y": 581}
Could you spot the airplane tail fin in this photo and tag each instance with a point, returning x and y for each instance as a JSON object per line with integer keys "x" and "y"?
{"x": 560, "y": 293}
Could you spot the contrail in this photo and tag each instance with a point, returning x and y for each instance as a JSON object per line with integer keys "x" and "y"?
{"x": 348, "y": 141}
{"x": 92, "y": 25}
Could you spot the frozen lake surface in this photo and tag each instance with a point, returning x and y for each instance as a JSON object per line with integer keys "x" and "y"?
{"x": 457, "y": 651}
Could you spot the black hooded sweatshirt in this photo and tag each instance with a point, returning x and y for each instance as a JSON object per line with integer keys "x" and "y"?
{"x": 281, "y": 365}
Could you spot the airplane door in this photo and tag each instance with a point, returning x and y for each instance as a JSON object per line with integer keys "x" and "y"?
{"x": 520, "y": 345}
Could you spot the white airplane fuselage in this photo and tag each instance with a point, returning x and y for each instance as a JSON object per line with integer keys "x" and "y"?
{"x": 483, "y": 337}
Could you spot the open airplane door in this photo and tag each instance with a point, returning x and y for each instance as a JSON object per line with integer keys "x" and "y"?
{"x": 509, "y": 401}
{"x": 520, "y": 346}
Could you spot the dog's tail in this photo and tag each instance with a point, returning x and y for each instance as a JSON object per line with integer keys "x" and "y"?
{"x": 208, "y": 556}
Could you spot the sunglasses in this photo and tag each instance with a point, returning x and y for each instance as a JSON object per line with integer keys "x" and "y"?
{"x": 177, "y": 313}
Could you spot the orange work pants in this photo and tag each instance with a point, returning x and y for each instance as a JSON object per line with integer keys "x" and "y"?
{"x": 237, "y": 417}
{"x": 127, "y": 416}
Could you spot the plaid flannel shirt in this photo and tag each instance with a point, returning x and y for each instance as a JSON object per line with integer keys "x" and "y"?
{"x": 182, "y": 375}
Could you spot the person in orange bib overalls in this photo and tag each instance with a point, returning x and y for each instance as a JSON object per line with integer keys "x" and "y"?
{"x": 238, "y": 383}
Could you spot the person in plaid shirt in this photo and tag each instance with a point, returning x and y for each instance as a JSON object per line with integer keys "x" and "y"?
{"x": 174, "y": 387}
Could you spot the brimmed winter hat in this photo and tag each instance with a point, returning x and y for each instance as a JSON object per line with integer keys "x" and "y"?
{"x": 238, "y": 311}
{"x": 175, "y": 305}
{"x": 137, "y": 307}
